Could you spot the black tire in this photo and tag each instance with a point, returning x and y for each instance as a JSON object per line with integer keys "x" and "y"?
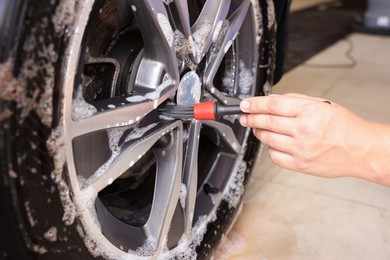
{"x": 42, "y": 215}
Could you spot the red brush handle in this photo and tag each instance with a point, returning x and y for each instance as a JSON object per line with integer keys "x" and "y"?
{"x": 205, "y": 111}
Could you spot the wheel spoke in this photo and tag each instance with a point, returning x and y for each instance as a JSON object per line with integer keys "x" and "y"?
{"x": 183, "y": 41}
{"x": 112, "y": 118}
{"x": 190, "y": 175}
{"x": 221, "y": 46}
{"x": 159, "y": 56}
{"x": 206, "y": 25}
{"x": 122, "y": 116}
{"x": 181, "y": 16}
{"x": 124, "y": 158}
{"x": 167, "y": 189}
{"x": 154, "y": 25}
{"x": 227, "y": 134}
{"x": 221, "y": 97}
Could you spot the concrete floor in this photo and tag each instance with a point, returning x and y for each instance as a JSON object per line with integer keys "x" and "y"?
{"x": 288, "y": 215}
{"x": 302, "y": 4}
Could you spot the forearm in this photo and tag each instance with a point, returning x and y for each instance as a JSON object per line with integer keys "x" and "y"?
{"x": 378, "y": 157}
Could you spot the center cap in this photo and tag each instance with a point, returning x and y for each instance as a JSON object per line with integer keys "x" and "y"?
{"x": 189, "y": 90}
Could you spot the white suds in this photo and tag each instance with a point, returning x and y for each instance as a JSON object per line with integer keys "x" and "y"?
{"x": 114, "y": 135}
{"x": 271, "y": 14}
{"x": 235, "y": 187}
{"x": 183, "y": 48}
{"x": 90, "y": 229}
{"x": 245, "y": 81}
{"x": 136, "y": 99}
{"x": 51, "y": 234}
{"x": 154, "y": 95}
{"x": 215, "y": 198}
{"x": 147, "y": 249}
{"x": 38, "y": 69}
{"x": 64, "y": 15}
{"x": 12, "y": 174}
{"x": 29, "y": 212}
{"x": 258, "y": 19}
{"x": 24, "y": 90}
{"x": 139, "y": 132}
{"x": 200, "y": 37}
{"x": 183, "y": 195}
{"x": 219, "y": 35}
{"x": 166, "y": 28}
{"x": 80, "y": 108}
{"x": 229, "y": 77}
{"x": 67, "y": 203}
{"x": 55, "y": 146}
{"x": 186, "y": 249}
{"x": 39, "y": 249}
{"x": 180, "y": 43}
{"x": 102, "y": 169}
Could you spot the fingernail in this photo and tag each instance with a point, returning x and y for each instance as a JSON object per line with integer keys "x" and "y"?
{"x": 243, "y": 120}
{"x": 244, "y": 104}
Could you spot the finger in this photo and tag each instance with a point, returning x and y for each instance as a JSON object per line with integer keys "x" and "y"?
{"x": 277, "y": 124}
{"x": 276, "y": 105}
{"x": 277, "y": 141}
{"x": 281, "y": 159}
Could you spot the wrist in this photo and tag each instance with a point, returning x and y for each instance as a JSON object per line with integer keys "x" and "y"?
{"x": 378, "y": 156}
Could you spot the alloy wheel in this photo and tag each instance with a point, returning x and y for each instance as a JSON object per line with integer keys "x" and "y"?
{"x": 142, "y": 182}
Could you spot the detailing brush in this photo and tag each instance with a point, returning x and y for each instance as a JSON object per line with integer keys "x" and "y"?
{"x": 201, "y": 111}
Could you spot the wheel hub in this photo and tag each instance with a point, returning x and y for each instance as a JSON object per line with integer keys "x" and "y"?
{"x": 189, "y": 90}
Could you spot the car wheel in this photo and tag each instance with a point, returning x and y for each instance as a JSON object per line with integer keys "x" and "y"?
{"x": 90, "y": 166}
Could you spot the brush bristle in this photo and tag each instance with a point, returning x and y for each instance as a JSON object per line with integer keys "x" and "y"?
{"x": 177, "y": 111}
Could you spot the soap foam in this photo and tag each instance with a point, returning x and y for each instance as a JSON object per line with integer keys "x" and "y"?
{"x": 245, "y": 81}
{"x": 80, "y": 108}
{"x": 51, "y": 234}
{"x": 154, "y": 95}
{"x": 183, "y": 195}
{"x": 166, "y": 28}
{"x": 200, "y": 37}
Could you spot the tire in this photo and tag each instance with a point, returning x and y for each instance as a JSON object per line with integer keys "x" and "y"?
{"x": 90, "y": 169}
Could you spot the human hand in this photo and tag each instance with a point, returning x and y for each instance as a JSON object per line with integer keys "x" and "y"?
{"x": 308, "y": 135}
